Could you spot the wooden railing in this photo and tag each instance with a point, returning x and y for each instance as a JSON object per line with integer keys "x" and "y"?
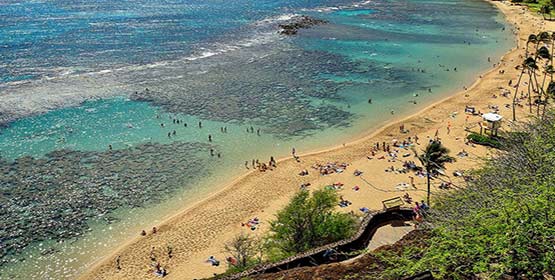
{"x": 340, "y": 251}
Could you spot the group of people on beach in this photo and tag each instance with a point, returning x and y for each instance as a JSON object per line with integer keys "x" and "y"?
{"x": 157, "y": 268}
{"x": 329, "y": 168}
{"x": 262, "y": 166}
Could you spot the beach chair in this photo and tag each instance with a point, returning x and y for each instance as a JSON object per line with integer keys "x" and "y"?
{"x": 393, "y": 203}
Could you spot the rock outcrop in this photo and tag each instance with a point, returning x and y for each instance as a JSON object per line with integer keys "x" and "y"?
{"x": 292, "y": 27}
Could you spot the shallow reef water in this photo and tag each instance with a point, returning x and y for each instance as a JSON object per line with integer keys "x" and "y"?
{"x": 78, "y": 77}
{"x": 56, "y": 196}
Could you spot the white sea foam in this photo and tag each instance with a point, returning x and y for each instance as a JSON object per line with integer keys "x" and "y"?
{"x": 72, "y": 86}
{"x": 336, "y": 8}
{"x": 275, "y": 19}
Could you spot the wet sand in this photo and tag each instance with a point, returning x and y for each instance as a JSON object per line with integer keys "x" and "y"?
{"x": 202, "y": 229}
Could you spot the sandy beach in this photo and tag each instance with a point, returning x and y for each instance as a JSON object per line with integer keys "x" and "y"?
{"x": 202, "y": 229}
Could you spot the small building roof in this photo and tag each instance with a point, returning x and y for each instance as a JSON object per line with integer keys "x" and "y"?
{"x": 491, "y": 117}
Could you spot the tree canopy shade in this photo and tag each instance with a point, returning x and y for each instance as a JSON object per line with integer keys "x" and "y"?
{"x": 309, "y": 221}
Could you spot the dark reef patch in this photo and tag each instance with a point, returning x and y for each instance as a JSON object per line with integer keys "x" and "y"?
{"x": 54, "y": 198}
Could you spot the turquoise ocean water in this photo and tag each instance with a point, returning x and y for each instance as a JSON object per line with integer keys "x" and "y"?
{"x": 79, "y": 77}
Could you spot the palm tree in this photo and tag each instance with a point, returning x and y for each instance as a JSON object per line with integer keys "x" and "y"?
{"x": 552, "y": 49}
{"x": 545, "y": 10}
{"x": 542, "y": 53}
{"x": 434, "y": 158}
{"x": 551, "y": 89}
{"x": 527, "y": 65}
{"x": 531, "y": 66}
{"x": 543, "y": 36}
{"x": 531, "y": 39}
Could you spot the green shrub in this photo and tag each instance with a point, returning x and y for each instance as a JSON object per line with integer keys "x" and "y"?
{"x": 308, "y": 222}
{"x": 484, "y": 140}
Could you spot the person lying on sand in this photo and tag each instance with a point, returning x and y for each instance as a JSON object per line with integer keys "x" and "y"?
{"x": 213, "y": 261}
{"x": 252, "y": 223}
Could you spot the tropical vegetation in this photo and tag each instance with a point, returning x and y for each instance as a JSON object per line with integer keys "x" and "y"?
{"x": 308, "y": 221}
{"x": 501, "y": 225}
{"x": 485, "y": 140}
{"x": 433, "y": 158}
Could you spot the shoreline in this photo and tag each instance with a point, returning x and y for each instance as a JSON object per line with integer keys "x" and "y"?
{"x": 353, "y": 150}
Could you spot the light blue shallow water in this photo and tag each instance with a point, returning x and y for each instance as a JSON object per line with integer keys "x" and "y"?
{"x": 219, "y": 63}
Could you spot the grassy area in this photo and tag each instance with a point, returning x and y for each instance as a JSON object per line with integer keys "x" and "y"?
{"x": 536, "y": 6}
{"x": 484, "y": 140}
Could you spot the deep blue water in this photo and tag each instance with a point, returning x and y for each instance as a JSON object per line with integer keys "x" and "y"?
{"x": 40, "y": 38}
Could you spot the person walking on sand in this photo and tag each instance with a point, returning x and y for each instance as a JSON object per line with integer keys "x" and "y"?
{"x": 152, "y": 255}
{"x": 213, "y": 261}
{"x": 170, "y": 251}
{"x": 118, "y": 263}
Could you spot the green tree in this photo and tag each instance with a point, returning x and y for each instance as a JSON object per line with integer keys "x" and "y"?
{"x": 310, "y": 221}
{"x": 246, "y": 251}
{"x": 434, "y": 158}
{"x": 546, "y": 10}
